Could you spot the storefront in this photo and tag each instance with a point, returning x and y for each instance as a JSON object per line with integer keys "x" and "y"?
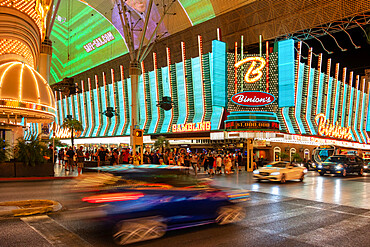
{"x": 224, "y": 99}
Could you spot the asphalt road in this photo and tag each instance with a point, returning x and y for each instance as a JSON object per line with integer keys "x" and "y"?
{"x": 321, "y": 211}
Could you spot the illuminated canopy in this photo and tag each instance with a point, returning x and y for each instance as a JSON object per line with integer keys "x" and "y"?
{"x": 79, "y": 23}
{"x": 23, "y": 92}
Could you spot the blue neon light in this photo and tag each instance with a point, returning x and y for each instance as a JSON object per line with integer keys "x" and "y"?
{"x": 286, "y": 65}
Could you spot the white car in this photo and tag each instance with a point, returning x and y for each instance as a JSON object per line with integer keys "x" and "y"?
{"x": 280, "y": 171}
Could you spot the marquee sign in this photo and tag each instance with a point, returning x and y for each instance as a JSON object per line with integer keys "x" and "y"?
{"x": 253, "y": 98}
{"x": 325, "y": 128}
{"x": 255, "y": 125}
{"x": 191, "y": 127}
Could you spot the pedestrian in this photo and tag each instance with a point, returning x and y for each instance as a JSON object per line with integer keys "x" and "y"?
{"x": 194, "y": 161}
{"x": 61, "y": 156}
{"x": 80, "y": 160}
{"x": 239, "y": 160}
{"x": 228, "y": 164}
{"x": 219, "y": 164}
{"x": 136, "y": 159}
{"x": 70, "y": 156}
{"x": 101, "y": 154}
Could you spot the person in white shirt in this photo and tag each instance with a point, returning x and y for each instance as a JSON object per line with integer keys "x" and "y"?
{"x": 219, "y": 164}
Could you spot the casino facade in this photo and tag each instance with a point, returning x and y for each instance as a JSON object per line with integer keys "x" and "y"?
{"x": 279, "y": 99}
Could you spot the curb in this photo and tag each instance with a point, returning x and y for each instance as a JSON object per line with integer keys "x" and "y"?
{"x": 29, "y": 207}
{"x": 25, "y": 179}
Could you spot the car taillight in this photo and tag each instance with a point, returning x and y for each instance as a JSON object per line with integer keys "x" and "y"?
{"x": 112, "y": 197}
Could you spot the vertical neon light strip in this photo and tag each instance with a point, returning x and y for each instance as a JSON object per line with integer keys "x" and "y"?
{"x": 344, "y": 100}
{"x": 157, "y": 90}
{"x": 92, "y": 114}
{"x": 85, "y": 108}
{"x": 355, "y": 111}
{"x": 367, "y": 112}
{"x": 309, "y": 93}
{"x": 61, "y": 108}
{"x": 106, "y": 91}
{"x": 168, "y": 52}
{"x": 183, "y": 55}
{"x": 363, "y": 96}
{"x": 144, "y": 89}
{"x": 334, "y": 100}
{"x": 236, "y": 69}
{"x": 66, "y": 105}
{"x": 126, "y": 116}
{"x": 318, "y": 82}
{"x": 98, "y": 104}
{"x": 349, "y": 104}
{"x": 78, "y": 104}
{"x": 325, "y": 96}
{"x": 200, "y": 45}
{"x": 57, "y": 117}
{"x": 296, "y": 85}
{"x": 267, "y": 67}
{"x": 328, "y": 90}
{"x": 115, "y": 102}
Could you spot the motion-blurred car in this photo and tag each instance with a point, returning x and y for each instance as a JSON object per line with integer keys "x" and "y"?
{"x": 143, "y": 202}
{"x": 367, "y": 167}
{"x": 341, "y": 165}
{"x": 280, "y": 171}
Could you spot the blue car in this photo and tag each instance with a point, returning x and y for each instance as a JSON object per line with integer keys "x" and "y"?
{"x": 143, "y": 202}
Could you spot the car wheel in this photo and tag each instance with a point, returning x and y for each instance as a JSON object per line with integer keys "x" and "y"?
{"x": 283, "y": 179}
{"x": 302, "y": 177}
{"x": 344, "y": 173}
{"x": 361, "y": 172}
{"x": 230, "y": 214}
{"x": 322, "y": 173}
{"x": 127, "y": 232}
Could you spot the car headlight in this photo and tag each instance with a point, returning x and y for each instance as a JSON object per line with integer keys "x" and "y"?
{"x": 313, "y": 164}
{"x": 256, "y": 172}
{"x": 319, "y": 166}
{"x": 305, "y": 171}
{"x": 338, "y": 167}
{"x": 365, "y": 167}
{"x": 275, "y": 173}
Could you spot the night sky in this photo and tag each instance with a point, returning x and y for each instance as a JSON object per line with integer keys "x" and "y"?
{"x": 356, "y": 60}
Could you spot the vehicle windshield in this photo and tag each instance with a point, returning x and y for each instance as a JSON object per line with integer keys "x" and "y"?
{"x": 277, "y": 164}
{"x": 336, "y": 159}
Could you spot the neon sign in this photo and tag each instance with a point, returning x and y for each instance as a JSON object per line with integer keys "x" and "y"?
{"x": 191, "y": 127}
{"x": 64, "y": 132}
{"x": 325, "y": 128}
{"x": 252, "y": 71}
{"x": 253, "y": 98}
{"x": 100, "y": 41}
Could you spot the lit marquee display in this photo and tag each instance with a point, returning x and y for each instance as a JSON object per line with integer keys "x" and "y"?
{"x": 98, "y": 42}
{"x": 192, "y": 127}
{"x": 254, "y": 72}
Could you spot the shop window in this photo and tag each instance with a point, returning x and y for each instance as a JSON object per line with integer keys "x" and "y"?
{"x": 306, "y": 154}
{"x": 292, "y": 152}
{"x": 277, "y": 152}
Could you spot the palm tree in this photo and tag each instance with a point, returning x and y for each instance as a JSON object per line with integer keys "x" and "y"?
{"x": 162, "y": 143}
{"x": 73, "y": 125}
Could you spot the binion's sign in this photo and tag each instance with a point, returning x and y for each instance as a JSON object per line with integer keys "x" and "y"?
{"x": 325, "y": 128}
{"x": 253, "y": 98}
{"x": 191, "y": 127}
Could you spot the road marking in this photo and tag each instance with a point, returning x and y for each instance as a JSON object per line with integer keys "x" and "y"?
{"x": 53, "y": 232}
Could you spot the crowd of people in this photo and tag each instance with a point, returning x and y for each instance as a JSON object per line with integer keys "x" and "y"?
{"x": 210, "y": 161}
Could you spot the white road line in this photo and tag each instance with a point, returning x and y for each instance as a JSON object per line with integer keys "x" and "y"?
{"x": 331, "y": 232}
{"x": 250, "y": 222}
{"x": 53, "y": 232}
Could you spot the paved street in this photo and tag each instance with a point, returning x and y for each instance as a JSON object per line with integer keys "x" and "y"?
{"x": 322, "y": 211}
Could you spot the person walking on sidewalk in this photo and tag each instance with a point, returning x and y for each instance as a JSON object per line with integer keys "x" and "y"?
{"x": 70, "y": 155}
{"x": 80, "y": 160}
